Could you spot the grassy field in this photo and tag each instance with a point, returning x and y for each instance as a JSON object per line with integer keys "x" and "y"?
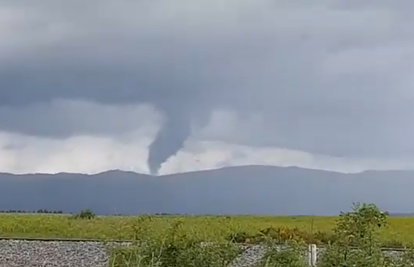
{"x": 209, "y": 228}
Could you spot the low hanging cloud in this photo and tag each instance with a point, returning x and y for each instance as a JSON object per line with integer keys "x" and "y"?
{"x": 328, "y": 77}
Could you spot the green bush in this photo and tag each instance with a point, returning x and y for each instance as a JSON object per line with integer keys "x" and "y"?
{"x": 357, "y": 241}
{"x": 289, "y": 254}
{"x": 240, "y": 237}
{"x": 173, "y": 249}
{"x": 85, "y": 214}
{"x": 354, "y": 242}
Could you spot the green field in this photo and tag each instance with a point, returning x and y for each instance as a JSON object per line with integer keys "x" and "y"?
{"x": 208, "y": 228}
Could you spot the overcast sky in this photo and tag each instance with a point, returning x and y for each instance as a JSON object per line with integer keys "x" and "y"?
{"x": 87, "y": 86}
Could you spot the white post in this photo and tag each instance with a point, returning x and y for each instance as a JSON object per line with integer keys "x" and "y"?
{"x": 312, "y": 249}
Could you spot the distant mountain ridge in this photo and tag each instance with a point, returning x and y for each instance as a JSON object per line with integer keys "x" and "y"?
{"x": 231, "y": 190}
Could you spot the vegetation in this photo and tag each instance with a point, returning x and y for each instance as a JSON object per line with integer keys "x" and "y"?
{"x": 353, "y": 238}
{"x": 175, "y": 247}
{"x": 355, "y": 243}
{"x": 318, "y": 230}
{"x": 43, "y": 211}
{"x": 85, "y": 215}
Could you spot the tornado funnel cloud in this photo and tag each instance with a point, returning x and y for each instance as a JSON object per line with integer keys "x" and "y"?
{"x": 169, "y": 140}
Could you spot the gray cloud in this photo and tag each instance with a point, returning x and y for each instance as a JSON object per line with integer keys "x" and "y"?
{"x": 332, "y": 77}
{"x": 65, "y": 118}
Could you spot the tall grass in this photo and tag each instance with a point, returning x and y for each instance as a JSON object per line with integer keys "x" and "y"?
{"x": 354, "y": 242}
{"x": 209, "y": 228}
{"x": 351, "y": 239}
{"x": 174, "y": 248}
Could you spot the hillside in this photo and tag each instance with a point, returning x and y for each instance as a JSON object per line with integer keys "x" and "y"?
{"x": 233, "y": 190}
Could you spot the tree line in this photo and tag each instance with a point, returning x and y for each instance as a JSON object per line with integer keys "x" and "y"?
{"x": 37, "y": 211}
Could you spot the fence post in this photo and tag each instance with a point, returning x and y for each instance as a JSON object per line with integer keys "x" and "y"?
{"x": 312, "y": 249}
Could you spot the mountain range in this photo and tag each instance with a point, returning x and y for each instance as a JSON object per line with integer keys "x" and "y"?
{"x": 232, "y": 190}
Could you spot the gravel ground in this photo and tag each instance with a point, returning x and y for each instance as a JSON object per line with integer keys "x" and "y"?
{"x": 250, "y": 257}
{"x": 20, "y": 253}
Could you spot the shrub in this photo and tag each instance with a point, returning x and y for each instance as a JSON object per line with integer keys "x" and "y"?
{"x": 354, "y": 242}
{"x": 357, "y": 243}
{"x": 289, "y": 254}
{"x": 240, "y": 237}
{"x": 85, "y": 214}
{"x": 174, "y": 249}
{"x": 283, "y": 234}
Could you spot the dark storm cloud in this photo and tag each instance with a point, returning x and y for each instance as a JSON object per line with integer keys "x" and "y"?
{"x": 330, "y": 77}
{"x": 65, "y": 118}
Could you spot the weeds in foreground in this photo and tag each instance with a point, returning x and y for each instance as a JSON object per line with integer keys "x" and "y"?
{"x": 174, "y": 249}
{"x": 357, "y": 241}
{"x": 291, "y": 254}
{"x": 354, "y": 242}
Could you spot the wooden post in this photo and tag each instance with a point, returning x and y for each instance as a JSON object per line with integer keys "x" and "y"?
{"x": 312, "y": 254}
